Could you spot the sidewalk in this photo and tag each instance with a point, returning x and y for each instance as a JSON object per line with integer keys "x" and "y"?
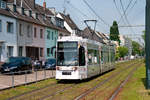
{"x": 9, "y": 81}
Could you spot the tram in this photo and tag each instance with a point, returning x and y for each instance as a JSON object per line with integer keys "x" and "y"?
{"x": 79, "y": 58}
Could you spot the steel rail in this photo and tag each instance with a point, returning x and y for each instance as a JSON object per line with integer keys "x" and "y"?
{"x": 62, "y": 90}
{"x": 36, "y": 90}
{"x": 102, "y": 83}
{"x": 57, "y": 92}
{"x": 116, "y": 92}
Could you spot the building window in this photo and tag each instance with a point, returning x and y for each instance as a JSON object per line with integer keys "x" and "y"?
{"x": 20, "y": 29}
{"x": 48, "y": 34}
{"x": 10, "y": 27}
{"x": 36, "y": 15}
{"x": 0, "y": 26}
{"x": 41, "y": 52}
{"x": 28, "y": 31}
{"x": 10, "y": 51}
{"x": 48, "y": 52}
{"x": 30, "y": 13}
{"x": 41, "y": 33}
{"x": 14, "y": 8}
{"x": 35, "y": 35}
{"x": 3, "y": 4}
{"x": 20, "y": 51}
{"x": 22, "y": 11}
{"x": 52, "y": 35}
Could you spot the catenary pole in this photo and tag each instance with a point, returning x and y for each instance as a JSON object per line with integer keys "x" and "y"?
{"x": 147, "y": 46}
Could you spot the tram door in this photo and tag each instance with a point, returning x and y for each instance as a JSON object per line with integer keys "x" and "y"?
{"x": 82, "y": 61}
{"x": 93, "y": 62}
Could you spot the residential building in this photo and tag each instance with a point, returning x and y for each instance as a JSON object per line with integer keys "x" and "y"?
{"x": 27, "y": 21}
{"x": 34, "y": 29}
{"x": 91, "y": 34}
{"x": 8, "y": 37}
{"x": 69, "y": 24}
{"x": 51, "y": 37}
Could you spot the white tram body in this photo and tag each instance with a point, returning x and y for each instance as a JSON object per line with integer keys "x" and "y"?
{"x": 79, "y": 58}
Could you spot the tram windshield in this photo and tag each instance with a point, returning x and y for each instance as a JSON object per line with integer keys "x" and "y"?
{"x": 67, "y": 54}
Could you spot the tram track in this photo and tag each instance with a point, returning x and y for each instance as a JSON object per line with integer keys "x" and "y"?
{"x": 60, "y": 88}
{"x": 86, "y": 93}
{"x": 116, "y": 92}
{"x": 50, "y": 95}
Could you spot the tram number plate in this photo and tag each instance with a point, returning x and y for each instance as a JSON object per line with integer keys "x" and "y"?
{"x": 66, "y": 73}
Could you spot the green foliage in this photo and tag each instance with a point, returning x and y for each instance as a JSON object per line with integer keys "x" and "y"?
{"x": 136, "y": 48}
{"x": 117, "y": 56}
{"x": 143, "y": 36}
{"x": 114, "y": 32}
{"x": 123, "y": 51}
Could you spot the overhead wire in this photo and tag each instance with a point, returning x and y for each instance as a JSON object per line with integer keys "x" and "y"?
{"x": 114, "y": 1}
{"x": 125, "y": 15}
{"x": 128, "y": 10}
{"x": 96, "y": 13}
{"x": 85, "y": 16}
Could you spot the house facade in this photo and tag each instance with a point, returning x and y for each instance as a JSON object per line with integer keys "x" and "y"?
{"x": 8, "y": 35}
{"x": 25, "y": 35}
{"x": 36, "y": 49}
{"x": 51, "y": 36}
{"x": 30, "y": 30}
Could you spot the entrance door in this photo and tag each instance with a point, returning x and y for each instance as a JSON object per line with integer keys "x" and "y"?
{"x": 32, "y": 52}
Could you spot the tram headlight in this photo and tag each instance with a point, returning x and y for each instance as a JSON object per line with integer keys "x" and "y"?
{"x": 75, "y": 68}
{"x": 57, "y": 68}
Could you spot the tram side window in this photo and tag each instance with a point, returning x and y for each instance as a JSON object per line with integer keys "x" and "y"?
{"x": 81, "y": 56}
{"x": 93, "y": 57}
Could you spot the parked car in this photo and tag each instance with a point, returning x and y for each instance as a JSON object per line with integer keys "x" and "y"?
{"x": 50, "y": 64}
{"x": 16, "y": 64}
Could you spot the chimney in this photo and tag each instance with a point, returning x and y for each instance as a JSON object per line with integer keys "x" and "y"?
{"x": 14, "y": 2}
{"x": 44, "y": 5}
{"x": 21, "y": 3}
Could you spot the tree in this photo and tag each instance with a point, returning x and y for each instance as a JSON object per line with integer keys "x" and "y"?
{"x": 123, "y": 51}
{"x": 114, "y": 32}
{"x": 143, "y": 36}
{"x": 136, "y": 48}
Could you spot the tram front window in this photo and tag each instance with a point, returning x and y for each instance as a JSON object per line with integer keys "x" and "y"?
{"x": 67, "y": 54}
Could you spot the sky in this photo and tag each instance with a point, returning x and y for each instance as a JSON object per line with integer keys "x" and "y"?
{"x": 106, "y": 13}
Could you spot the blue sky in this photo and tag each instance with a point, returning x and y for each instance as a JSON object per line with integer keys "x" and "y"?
{"x": 106, "y": 9}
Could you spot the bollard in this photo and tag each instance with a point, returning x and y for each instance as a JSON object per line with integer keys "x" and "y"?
{"x": 25, "y": 77}
{"x": 36, "y": 75}
{"x": 52, "y": 73}
{"x": 44, "y": 74}
{"x": 13, "y": 79}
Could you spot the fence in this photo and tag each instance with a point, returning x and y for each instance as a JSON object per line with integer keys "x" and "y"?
{"x": 13, "y": 79}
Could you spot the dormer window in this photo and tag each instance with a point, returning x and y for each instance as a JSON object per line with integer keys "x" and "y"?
{"x": 22, "y": 11}
{"x": 14, "y": 8}
{"x": 30, "y": 13}
{"x": 36, "y": 15}
{"x": 2, "y": 4}
{"x": 44, "y": 17}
